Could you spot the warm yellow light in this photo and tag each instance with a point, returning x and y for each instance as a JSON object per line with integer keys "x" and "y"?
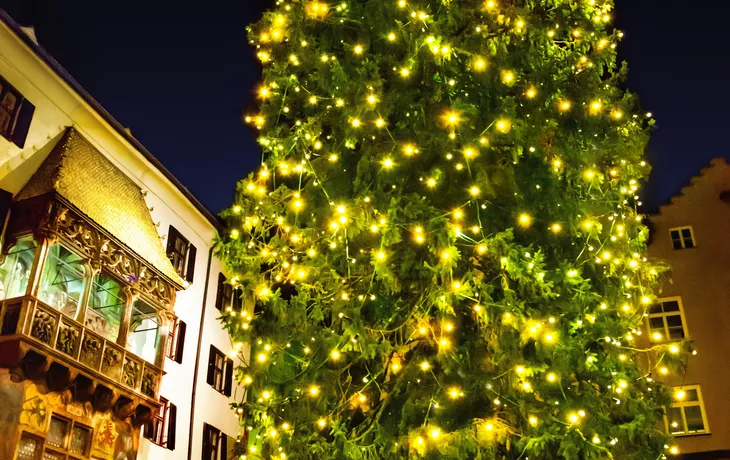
{"x": 335, "y": 355}
{"x": 490, "y": 5}
{"x": 596, "y": 107}
{"x": 656, "y": 336}
{"x": 573, "y": 418}
{"x": 247, "y": 380}
{"x": 435, "y": 433}
{"x": 372, "y": 99}
{"x": 405, "y": 72}
{"x": 674, "y": 450}
{"x": 392, "y": 37}
{"x": 317, "y": 10}
{"x": 380, "y": 255}
{"x": 525, "y": 220}
{"x": 388, "y": 163}
{"x": 358, "y": 49}
{"x": 409, "y": 150}
{"x": 508, "y": 77}
{"x": 425, "y": 366}
{"x": 480, "y": 65}
{"x": 556, "y": 228}
{"x": 474, "y": 191}
{"x": 503, "y": 125}
{"x": 451, "y": 118}
{"x": 402, "y": 3}
{"x": 266, "y": 395}
{"x": 531, "y": 92}
{"x": 564, "y": 105}
{"x": 663, "y": 370}
{"x": 314, "y": 390}
{"x": 532, "y": 420}
{"x": 674, "y": 349}
{"x": 455, "y": 393}
{"x": 617, "y": 114}
{"x": 321, "y": 423}
{"x": 356, "y": 123}
{"x": 679, "y": 395}
{"x": 551, "y": 377}
{"x": 431, "y": 182}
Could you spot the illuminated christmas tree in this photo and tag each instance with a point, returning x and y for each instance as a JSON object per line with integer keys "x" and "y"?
{"x": 442, "y": 243}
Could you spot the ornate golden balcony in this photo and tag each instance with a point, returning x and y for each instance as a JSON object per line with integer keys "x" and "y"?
{"x": 35, "y": 337}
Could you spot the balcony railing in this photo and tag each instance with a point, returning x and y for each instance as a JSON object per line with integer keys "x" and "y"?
{"x": 68, "y": 340}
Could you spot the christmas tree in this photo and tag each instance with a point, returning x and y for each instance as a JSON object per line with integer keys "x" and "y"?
{"x": 441, "y": 250}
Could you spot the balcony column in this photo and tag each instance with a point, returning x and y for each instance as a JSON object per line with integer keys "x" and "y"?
{"x": 131, "y": 295}
{"x": 93, "y": 268}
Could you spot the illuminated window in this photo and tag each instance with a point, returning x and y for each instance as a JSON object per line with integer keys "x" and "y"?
{"x": 682, "y": 237}
{"x": 16, "y": 114}
{"x": 63, "y": 280}
{"x": 686, "y": 415}
{"x": 666, "y": 320}
{"x": 66, "y": 437}
{"x": 29, "y": 447}
{"x": 144, "y": 328}
{"x": 15, "y": 271}
{"x": 106, "y": 307}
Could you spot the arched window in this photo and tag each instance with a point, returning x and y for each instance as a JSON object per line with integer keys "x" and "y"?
{"x": 15, "y": 271}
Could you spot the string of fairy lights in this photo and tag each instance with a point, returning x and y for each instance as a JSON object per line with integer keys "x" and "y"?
{"x": 293, "y": 109}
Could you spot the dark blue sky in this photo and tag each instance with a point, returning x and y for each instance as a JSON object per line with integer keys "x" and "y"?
{"x": 179, "y": 77}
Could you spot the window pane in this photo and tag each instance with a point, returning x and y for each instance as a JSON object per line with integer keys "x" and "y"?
{"x": 655, "y": 308}
{"x": 80, "y": 440}
{"x": 106, "y": 307}
{"x": 28, "y": 448}
{"x": 656, "y": 323}
{"x": 686, "y": 233}
{"x": 15, "y": 271}
{"x": 62, "y": 282}
{"x": 694, "y": 419}
{"x": 9, "y": 101}
{"x": 691, "y": 395}
{"x": 57, "y": 432}
{"x": 143, "y": 331}
{"x": 689, "y": 242}
{"x": 676, "y": 333}
{"x": 671, "y": 305}
{"x": 674, "y": 418}
{"x": 674, "y": 320}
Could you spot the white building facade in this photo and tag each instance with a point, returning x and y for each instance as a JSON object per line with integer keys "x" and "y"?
{"x": 169, "y": 397}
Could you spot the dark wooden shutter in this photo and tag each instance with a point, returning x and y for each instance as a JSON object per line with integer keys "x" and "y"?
{"x": 190, "y": 271}
{"x": 171, "y": 426}
{"x": 206, "y": 441}
{"x": 237, "y": 300}
{"x": 22, "y": 123}
{"x": 211, "y": 365}
{"x": 223, "y": 447}
{"x": 148, "y": 430}
{"x": 219, "y": 295}
{"x": 229, "y": 377}
{"x": 180, "y": 345}
{"x": 172, "y": 235}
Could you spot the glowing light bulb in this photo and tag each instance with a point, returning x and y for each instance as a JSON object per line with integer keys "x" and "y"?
{"x": 531, "y": 92}
{"x": 335, "y": 355}
{"x": 388, "y": 163}
{"x": 525, "y": 220}
{"x": 551, "y": 377}
{"x": 358, "y": 49}
{"x": 564, "y": 105}
{"x": 425, "y": 366}
{"x": 314, "y": 390}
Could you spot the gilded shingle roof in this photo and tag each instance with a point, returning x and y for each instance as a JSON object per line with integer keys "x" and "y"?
{"x": 88, "y": 180}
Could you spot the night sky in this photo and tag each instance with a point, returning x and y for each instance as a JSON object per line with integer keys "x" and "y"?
{"x": 179, "y": 74}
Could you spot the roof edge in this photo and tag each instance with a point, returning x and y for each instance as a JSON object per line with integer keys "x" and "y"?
{"x": 106, "y": 116}
{"x": 715, "y": 162}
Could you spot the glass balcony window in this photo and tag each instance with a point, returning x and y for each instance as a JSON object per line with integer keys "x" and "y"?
{"x": 15, "y": 271}
{"x": 144, "y": 330}
{"x": 62, "y": 281}
{"x": 106, "y": 307}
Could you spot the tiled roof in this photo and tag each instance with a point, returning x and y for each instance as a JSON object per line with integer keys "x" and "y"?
{"x": 81, "y": 174}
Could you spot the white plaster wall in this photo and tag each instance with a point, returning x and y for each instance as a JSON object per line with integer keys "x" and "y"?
{"x": 57, "y": 107}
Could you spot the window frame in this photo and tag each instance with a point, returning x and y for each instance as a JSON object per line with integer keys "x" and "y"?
{"x": 162, "y": 428}
{"x": 176, "y": 340}
{"x": 666, "y": 337}
{"x": 20, "y": 117}
{"x": 681, "y": 237}
{"x": 220, "y": 448}
{"x": 65, "y": 451}
{"x": 40, "y": 440}
{"x": 683, "y": 404}
{"x": 226, "y": 371}
{"x": 186, "y": 263}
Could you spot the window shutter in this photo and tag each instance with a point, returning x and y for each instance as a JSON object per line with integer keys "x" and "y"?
{"x": 190, "y": 271}
{"x": 229, "y": 377}
{"x": 211, "y": 365}
{"x": 181, "y": 326}
{"x": 237, "y": 300}
{"x": 206, "y": 441}
{"x": 172, "y": 235}
{"x": 219, "y": 295}
{"x": 148, "y": 430}
{"x": 22, "y": 124}
{"x": 223, "y": 447}
{"x": 171, "y": 426}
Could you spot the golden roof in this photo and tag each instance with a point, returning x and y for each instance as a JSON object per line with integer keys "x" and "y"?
{"x": 81, "y": 174}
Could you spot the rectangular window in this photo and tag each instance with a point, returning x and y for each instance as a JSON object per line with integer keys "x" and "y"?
{"x": 16, "y": 114}
{"x": 220, "y": 371}
{"x": 682, "y": 237}
{"x": 215, "y": 443}
{"x": 63, "y": 280}
{"x": 161, "y": 429}
{"x": 228, "y": 296}
{"x": 176, "y": 341}
{"x": 686, "y": 415}
{"x": 106, "y": 307}
{"x": 29, "y": 447}
{"x": 181, "y": 253}
{"x": 66, "y": 439}
{"x": 15, "y": 271}
{"x": 666, "y": 320}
